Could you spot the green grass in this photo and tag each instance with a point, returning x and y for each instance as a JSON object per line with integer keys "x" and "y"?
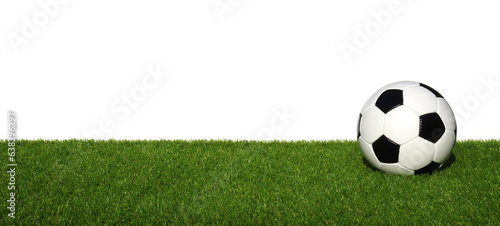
{"x": 242, "y": 182}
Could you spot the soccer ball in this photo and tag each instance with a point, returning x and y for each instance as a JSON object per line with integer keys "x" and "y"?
{"x": 406, "y": 128}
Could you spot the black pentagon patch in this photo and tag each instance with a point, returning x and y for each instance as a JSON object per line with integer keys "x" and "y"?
{"x": 428, "y": 169}
{"x": 386, "y": 150}
{"x": 431, "y": 127}
{"x": 432, "y": 90}
{"x": 359, "y": 122}
{"x": 389, "y": 100}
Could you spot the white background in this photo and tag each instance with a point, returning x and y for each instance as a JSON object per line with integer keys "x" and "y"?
{"x": 233, "y": 70}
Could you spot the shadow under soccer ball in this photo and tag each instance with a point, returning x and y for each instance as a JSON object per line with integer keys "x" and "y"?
{"x": 446, "y": 165}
